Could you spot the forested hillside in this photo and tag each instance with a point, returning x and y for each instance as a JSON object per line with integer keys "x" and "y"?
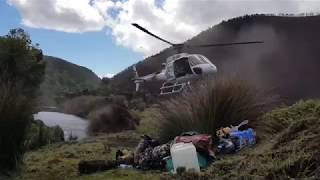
{"x": 287, "y": 63}
{"x": 63, "y": 77}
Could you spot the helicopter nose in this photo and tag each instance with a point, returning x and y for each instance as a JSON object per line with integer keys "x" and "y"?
{"x": 214, "y": 69}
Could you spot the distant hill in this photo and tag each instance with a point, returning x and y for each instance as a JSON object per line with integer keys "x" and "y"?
{"x": 63, "y": 77}
{"x": 287, "y": 63}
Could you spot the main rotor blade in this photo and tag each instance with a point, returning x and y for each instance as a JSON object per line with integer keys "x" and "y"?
{"x": 151, "y": 34}
{"x": 226, "y": 44}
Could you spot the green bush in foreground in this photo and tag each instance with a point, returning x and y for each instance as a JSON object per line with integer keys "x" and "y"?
{"x": 21, "y": 72}
{"x": 15, "y": 116}
{"x": 211, "y": 105}
{"x": 39, "y": 135}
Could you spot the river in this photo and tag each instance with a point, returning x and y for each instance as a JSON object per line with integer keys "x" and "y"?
{"x": 69, "y": 123}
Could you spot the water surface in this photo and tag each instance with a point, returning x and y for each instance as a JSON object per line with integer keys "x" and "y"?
{"x": 69, "y": 123}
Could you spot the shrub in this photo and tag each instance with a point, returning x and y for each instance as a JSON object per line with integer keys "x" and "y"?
{"x": 111, "y": 118}
{"x": 210, "y": 105}
{"x": 15, "y": 116}
{"x": 39, "y": 135}
{"x": 119, "y": 100}
{"x": 81, "y": 106}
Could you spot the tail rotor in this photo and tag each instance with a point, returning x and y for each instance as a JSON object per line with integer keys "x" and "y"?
{"x": 136, "y": 78}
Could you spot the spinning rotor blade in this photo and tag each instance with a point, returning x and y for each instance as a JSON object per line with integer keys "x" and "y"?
{"x": 151, "y": 34}
{"x": 226, "y": 44}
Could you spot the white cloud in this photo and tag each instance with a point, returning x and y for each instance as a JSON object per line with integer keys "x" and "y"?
{"x": 60, "y": 15}
{"x": 108, "y": 75}
{"x": 102, "y": 75}
{"x": 176, "y": 20}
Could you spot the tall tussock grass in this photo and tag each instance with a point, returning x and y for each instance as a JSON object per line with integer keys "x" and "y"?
{"x": 212, "y": 104}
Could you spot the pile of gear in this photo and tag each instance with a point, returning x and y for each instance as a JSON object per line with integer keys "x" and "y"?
{"x": 232, "y": 139}
{"x": 189, "y": 150}
{"x": 150, "y": 155}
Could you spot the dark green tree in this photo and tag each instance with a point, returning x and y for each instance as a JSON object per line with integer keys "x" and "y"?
{"x": 21, "y": 72}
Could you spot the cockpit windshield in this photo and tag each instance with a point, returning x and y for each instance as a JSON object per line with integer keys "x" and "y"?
{"x": 204, "y": 59}
{"x": 182, "y": 67}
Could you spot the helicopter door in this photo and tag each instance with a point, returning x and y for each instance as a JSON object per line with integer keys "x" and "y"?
{"x": 182, "y": 67}
{"x": 170, "y": 71}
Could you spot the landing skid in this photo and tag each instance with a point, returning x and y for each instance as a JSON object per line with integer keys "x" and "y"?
{"x": 169, "y": 88}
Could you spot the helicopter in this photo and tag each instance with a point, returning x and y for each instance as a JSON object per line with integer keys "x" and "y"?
{"x": 181, "y": 68}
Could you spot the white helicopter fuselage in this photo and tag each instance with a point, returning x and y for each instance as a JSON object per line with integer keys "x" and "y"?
{"x": 180, "y": 68}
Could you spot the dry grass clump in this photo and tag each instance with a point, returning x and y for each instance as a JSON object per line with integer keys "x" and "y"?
{"x": 213, "y": 104}
{"x": 150, "y": 119}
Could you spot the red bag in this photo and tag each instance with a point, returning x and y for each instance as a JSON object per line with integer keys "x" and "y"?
{"x": 202, "y": 142}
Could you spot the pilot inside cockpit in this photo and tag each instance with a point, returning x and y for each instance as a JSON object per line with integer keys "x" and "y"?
{"x": 182, "y": 67}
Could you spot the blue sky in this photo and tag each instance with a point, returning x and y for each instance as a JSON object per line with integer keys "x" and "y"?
{"x": 95, "y": 50}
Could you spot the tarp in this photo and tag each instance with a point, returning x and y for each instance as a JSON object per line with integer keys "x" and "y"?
{"x": 202, "y": 142}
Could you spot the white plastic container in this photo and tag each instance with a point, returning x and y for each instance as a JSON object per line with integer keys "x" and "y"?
{"x": 184, "y": 155}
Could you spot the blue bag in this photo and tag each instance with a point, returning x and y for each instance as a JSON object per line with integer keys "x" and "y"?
{"x": 243, "y": 138}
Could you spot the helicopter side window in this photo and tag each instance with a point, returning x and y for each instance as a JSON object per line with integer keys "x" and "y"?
{"x": 182, "y": 67}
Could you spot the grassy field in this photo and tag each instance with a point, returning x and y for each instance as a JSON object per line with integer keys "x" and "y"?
{"x": 60, "y": 161}
{"x": 288, "y": 147}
